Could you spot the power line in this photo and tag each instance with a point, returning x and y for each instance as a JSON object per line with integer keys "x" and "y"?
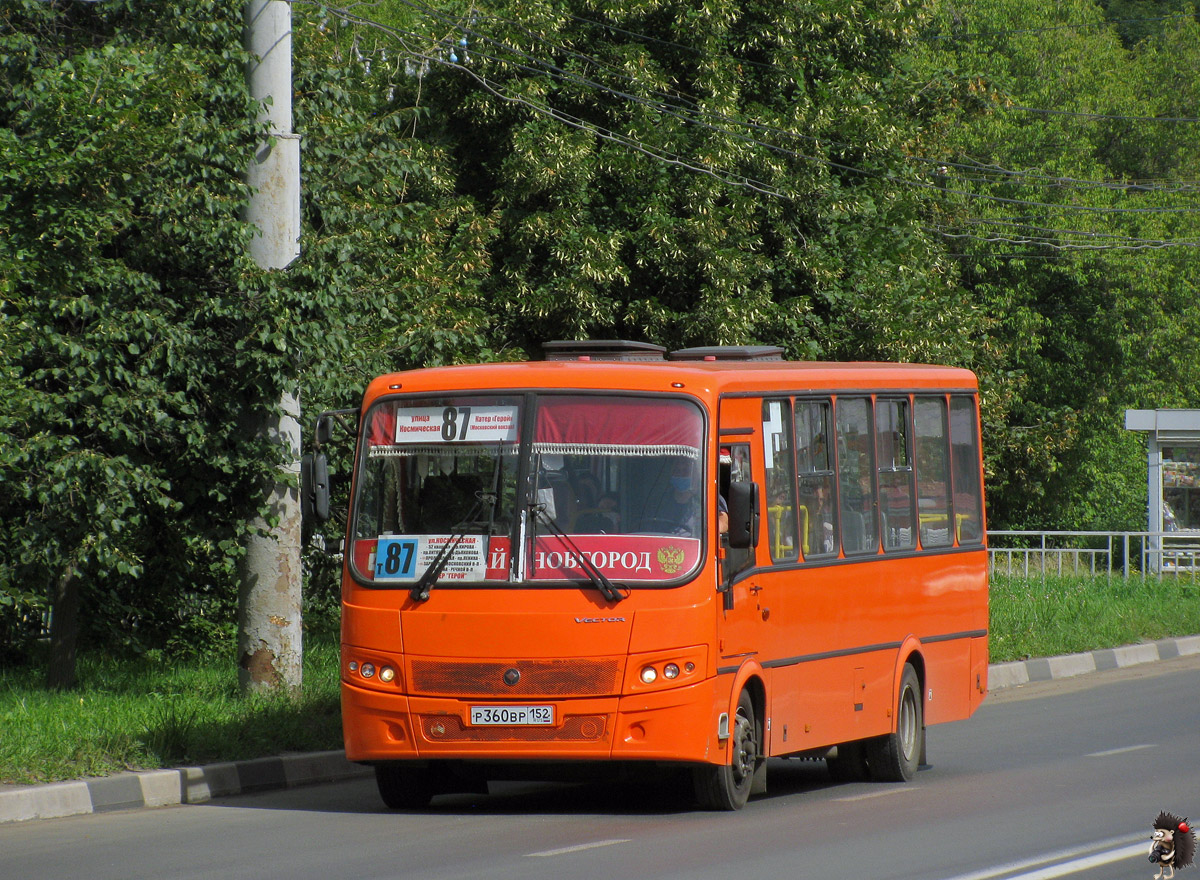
{"x": 1103, "y": 115}
{"x": 983, "y": 221}
{"x": 667, "y": 156}
{"x": 538, "y": 66}
{"x": 693, "y": 103}
{"x": 1103, "y": 241}
{"x": 1009, "y": 175}
{"x": 979, "y": 35}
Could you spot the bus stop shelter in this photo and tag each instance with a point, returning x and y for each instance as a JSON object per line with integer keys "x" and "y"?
{"x": 1173, "y": 481}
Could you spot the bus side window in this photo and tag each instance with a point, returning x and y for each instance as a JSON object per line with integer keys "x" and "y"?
{"x": 856, "y": 475}
{"x": 964, "y": 460}
{"x": 933, "y": 471}
{"x": 815, "y": 471}
{"x": 735, "y": 469}
{"x": 895, "y": 475}
{"x": 780, "y": 480}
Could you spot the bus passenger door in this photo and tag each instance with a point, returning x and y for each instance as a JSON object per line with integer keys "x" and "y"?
{"x": 746, "y": 606}
{"x": 734, "y": 468}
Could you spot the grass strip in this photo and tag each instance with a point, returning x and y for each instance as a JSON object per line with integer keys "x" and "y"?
{"x": 1061, "y": 614}
{"x": 148, "y": 712}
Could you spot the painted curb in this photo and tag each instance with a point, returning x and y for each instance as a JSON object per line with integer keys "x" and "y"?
{"x": 185, "y": 785}
{"x": 1019, "y": 672}
{"x": 196, "y": 785}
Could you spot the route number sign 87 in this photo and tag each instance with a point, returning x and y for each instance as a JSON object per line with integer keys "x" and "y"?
{"x": 395, "y": 559}
{"x": 450, "y": 422}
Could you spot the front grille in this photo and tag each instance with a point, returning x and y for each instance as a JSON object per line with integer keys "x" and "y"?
{"x": 575, "y": 728}
{"x": 539, "y": 678}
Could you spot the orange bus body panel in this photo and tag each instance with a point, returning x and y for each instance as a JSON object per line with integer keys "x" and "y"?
{"x": 823, "y": 642}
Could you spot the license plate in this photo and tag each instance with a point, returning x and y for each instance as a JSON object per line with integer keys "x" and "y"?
{"x": 520, "y": 716}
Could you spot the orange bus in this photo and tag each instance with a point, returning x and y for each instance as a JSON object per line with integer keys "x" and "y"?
{"x": 619, "y": 557}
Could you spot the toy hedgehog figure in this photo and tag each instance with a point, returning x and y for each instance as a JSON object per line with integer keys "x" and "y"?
{"x": 1172, "y": 845}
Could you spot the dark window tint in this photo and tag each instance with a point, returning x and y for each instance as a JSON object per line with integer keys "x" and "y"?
{"x": 964, "y": 457}
{"x": 933, "y": 471}
{"x": 814, "y": 464}
{"x": 856, "y": 483}
{"x": 892, "y": 453}
{"x": 781, "y": 480}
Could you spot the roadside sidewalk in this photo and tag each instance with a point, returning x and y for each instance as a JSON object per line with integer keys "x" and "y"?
{"x": 184, "y": 785}
{"x": 1018, "y": 672}
{"x": 196, "y": 785}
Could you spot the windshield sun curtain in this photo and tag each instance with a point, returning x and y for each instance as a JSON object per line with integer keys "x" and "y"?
{"x": 612, "y": 488}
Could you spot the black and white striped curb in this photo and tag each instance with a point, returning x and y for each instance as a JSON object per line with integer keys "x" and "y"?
{"x": 196, "y": 785}
{"x": 1004, "y": 675}
{"x": 185, "y": 785}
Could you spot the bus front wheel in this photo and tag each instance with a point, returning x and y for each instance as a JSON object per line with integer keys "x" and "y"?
{"x": 727, "y": 786}
{"x": 405, "y": 786}
{"x": 894, "y": 757}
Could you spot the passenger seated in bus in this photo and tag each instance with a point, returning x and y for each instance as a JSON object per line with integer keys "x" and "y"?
{"x": 587, "y": 491}
{"x": 608, "y": 506}
{"x": 814, "y": 499}
{"x": 604, "y": 518}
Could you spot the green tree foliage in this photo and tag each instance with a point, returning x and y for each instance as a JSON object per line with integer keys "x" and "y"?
{"x": 393, "y": 257}
{"x": 1071, "y": 203}
{"x": 131, "y": 324}
{"x": 688, "y": 173}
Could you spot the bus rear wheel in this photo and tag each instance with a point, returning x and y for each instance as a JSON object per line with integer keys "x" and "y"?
{"x": 727, "y": 787}
{"x": 405, "y": 786}
{"x": 849, "y": 763}
{"x": 894, "y": 757}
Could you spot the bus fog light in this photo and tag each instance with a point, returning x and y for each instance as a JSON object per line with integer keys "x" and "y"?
{"x": 353, "y": 665}
{"x": 387, "y": 673}
{"x": 689, "y": 668}
{"x": 368, "y": 670}
{"x": 670, "y": 671}
{"x": 649, "y": 674}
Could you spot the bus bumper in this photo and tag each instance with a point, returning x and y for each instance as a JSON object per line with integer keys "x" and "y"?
{"x": 670, "y": 725}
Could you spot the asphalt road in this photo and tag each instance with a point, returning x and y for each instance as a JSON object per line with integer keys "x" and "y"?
{"x": 1061, "y": 779}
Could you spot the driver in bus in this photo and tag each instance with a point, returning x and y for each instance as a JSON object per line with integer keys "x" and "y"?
{"x": 678, "y": 510}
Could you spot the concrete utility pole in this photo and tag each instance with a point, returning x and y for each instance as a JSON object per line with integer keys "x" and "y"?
{"x": 269, "y": 606}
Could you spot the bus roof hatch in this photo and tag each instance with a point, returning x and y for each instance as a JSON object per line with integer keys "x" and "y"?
{"x": 602, "y": 350}
{"x": 728, "y": 353}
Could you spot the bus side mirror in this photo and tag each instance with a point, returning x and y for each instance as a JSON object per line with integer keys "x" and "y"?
{"x": 743, "y": 515}
{"x": 314, "y": 487}
{"x": 323, "y": 432}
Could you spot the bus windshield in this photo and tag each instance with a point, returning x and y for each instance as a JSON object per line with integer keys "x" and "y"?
{"x": 517, "y": 488}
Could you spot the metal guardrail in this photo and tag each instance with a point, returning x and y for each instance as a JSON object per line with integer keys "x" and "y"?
{"x": 1127, "y": 554}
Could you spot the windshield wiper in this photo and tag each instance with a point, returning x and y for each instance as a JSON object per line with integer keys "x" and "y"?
{"x": 609, "y": 590}
{"x": 420, "y": 590}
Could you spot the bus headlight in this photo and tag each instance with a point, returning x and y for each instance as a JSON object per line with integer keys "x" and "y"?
{"x": 663, "y": 670}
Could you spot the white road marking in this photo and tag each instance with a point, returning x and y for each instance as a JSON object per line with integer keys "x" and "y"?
{"x": 579, "y": 847}
{"x": 875, "y": 794}
{"x": 1121, "y": 751}
{"x": 1063, "y": 863}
